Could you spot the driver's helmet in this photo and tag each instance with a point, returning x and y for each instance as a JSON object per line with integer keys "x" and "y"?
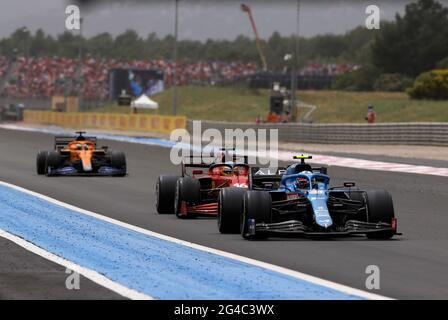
{"x": 222, "y": 170}
{"x": 227, "y": 171}
{"x": 216, "y": 171}
{"x": 241, "y": 170}
{"x": 303, "y": 183}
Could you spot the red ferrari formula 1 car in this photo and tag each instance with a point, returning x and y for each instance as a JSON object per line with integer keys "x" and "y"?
{"x": 195, "y": 192}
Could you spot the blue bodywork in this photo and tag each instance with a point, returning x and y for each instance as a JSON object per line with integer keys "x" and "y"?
{"x": 316, "y": 190}
{"x": 71, "y": 171}
{"x": 301, "y": 203}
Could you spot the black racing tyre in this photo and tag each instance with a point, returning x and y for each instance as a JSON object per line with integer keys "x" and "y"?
{"x": 230, "y": 207}
{"x": 118, "y": 160}
{"x": 165, "y": 193}
{"x": 41, "y": 162}
{"x": 380, "y": 209}
{"x": 257, "y": 206}
{"x": 188, "y": 190}
{"x": 54, "y": 160}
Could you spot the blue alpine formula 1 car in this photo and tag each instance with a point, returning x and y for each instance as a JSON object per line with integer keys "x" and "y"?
{"x": 299, "y": 201}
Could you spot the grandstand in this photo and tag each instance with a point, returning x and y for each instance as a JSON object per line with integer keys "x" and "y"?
{"x": 44, "y": 77}
{"x": 48, "y": 76}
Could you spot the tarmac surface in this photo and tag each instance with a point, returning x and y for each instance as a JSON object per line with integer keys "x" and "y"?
{"x": 412, "y": 266}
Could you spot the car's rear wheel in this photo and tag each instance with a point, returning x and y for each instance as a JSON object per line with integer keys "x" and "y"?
{"x": 53, "y": 161}
{"x": 165, "y": 193}
{"x": 188, "y": 191}
{"x": 230, "y": 206}
{"x": 256, "y": 209}
{"x": 118, "y": 161}
{"x": 380, "y": 209}
{"x": 41, "y": 162}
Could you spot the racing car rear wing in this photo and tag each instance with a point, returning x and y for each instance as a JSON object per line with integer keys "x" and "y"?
{"x": 198, "y": 160}
{"x": 214, "y": 160}
{"x": 61, "y": 142}
{"x": 191, "y": 164}
{"x": 265, "y": 178}
{"x": 269, "y": 178}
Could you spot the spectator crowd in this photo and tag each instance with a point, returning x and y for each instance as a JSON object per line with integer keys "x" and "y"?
{"x": 48, "y": 76}
{"x": 331, "y": 69}
{"x": 45, "y": 76}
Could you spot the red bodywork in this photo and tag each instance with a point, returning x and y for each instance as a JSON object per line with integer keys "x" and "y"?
{"x": 217, "y": 176}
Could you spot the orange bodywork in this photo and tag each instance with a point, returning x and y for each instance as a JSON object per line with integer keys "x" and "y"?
{"x": 81, "y": 151}
{"x": 79, "y": 156}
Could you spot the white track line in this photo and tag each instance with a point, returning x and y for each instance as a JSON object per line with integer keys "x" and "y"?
{"x": 289, "y": 272}
{"x": 88, "y": 273}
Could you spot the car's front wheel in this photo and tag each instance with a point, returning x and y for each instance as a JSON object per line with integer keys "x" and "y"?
{"x": 380, "y": 209}
{"x": 118, "y": 161}
{"x": 165, "y": 193}
{"x": 53, "y": 161}
{"x": 256, "y": 209}
{"x": 188, "y": 191}
{"x": 230, "y": 206}
{"x": 41, "y": 162}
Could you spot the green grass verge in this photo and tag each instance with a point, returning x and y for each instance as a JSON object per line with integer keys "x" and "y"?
{"x": 240, "y": 104}
{"x": 351, "y": 107}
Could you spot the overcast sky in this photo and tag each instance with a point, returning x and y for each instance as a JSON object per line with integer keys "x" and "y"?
{"x": 198, "y": 19}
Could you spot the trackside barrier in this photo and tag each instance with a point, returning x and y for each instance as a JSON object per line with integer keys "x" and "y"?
{"x": 114, "y": 121}
{"x": 418, "y": 133}
{"x": 432, "y": 134}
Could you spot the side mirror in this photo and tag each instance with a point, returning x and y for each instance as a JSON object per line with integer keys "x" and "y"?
{"x": 195, "y": 172}
{"x": 349, "y": 184}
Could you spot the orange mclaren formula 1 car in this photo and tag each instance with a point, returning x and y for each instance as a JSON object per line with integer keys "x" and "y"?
{"x": 196, "y": 193}
{"x": 79, "y": 156}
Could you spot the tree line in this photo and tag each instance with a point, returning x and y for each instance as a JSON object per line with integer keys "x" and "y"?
{"x": 413, "y": 44}
{"x": 350, "y": 47}
{"x": 391, "y": 57}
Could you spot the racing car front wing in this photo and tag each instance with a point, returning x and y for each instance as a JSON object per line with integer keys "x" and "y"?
{"x": 297, "y": 227}
{"x": 71, "y": 171}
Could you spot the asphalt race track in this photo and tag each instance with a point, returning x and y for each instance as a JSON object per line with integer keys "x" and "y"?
{"x": 27, "y": 276}
{"x": 412, "y": 266}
